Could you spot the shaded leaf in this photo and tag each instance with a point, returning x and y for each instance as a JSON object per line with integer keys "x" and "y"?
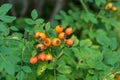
{"x": 113, "y": 43}
{"x": 29, "y": 21}
{"x": 7, "y": 19}
{"x": 64, "y": 69}
{"x": 47, "y": 26}
{"x": 10, "y": 68}
{"x": 20, "y": 75}
{"x": 14, "y": 28}
{"x": 5, "y": 8}
{"x": 26, "y": 69}
{"x": 39, "y": 21}
{"x": 34, "y": 14}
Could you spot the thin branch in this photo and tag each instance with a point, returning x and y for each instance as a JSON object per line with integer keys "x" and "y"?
{"x": 59, "y": 5}
{"x": 83, "y": 4}
{"x": 25, "y": 7}
{"x": 39, "y": 5}
{"x": 61, "y": 54}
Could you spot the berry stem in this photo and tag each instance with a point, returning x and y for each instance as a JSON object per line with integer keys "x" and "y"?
{"x": 60, "y": 55}
{"x": 83, "y": 4}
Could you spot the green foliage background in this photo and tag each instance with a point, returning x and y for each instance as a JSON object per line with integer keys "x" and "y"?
{"x": 95, "y": 54}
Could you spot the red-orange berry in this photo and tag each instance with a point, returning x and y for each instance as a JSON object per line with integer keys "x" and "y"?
{"x": 69, "y": 42}
{"x": 33, "y": 60}
{"x": 42, "y": 57}
{"x": 62, "y": 35}
{"x": 69, "y": 31}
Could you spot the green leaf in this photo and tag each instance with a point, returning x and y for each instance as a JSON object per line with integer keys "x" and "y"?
{"x": 34, "y": 14}
{"x": 4, "y": 29}
{"x": 20, "y": 75}
{"x": 76, "y": 41}
{"x": 26, "y": 69}
{"x": 114, "y": 22}
{"x": 91, "y": 71}
{"x": 1, "y": 40}
{"x": 67, "y": 51}
{"x": 41, "y": 68}
{"x": 91, "y": 34}
{"x": 100, "y": 2}
{"x": 47, "y": 26}
{"x": 101, "y": 32}
{"x": 14, "y": 28}
{"x": 34, "y": 52}
{"x": 87, "y": 16}
{"x": 112, "y": 58}
{"x": 113, "y": 43}
{"x": 61, "y": 77}
{"x": 39, "y": 21}
{"x": 89, "y": 0}
{"x": 29, "y": 21}
{"x": 50, "y": 66}
{"x": 5, "y": 8}
{"x": 64, "y": 69}
{"x": 10, "y": 68}
{"x": 85, "y": 43}
{"x": 103, "y": 40}
{"x": 7, "y": 19}
{"x": 2, "y": 65}
{"x": 76, "y": 52}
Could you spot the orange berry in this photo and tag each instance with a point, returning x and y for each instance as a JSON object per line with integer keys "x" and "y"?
{"x": 42, "y": 36}
{"x": 69, "y": 42}
{"x": 36, "y": 35}
{"x": 33, "y": 60}
{"x": 59, "y": 29}
{"x": 40, "y": 47}
{"x": 62, "y": 35}
{"x": 39, "y": 35}
{"x": 42, "y": 57}
{"x": 47, "y": 42}
{"x": 69, "y": 31}
{"x": 56, "y": 42}
{"x": 49, "y": 57}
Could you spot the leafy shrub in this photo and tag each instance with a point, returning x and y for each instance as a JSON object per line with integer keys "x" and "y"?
{"x": 94, "y": 56}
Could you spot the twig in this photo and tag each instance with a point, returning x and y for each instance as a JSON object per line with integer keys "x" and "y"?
{"x": 39, "y": 5}
{"x": 25, "y": 7}
{"x": 83, "y": 4}
{"x": 59, "y": 5}
{"x": 61, "y": 54}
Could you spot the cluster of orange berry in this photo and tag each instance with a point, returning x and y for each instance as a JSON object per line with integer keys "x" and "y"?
{"x": 110, "y": 6}
{"x": 63, "y": 34}
{"x": 46, "y": 42}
